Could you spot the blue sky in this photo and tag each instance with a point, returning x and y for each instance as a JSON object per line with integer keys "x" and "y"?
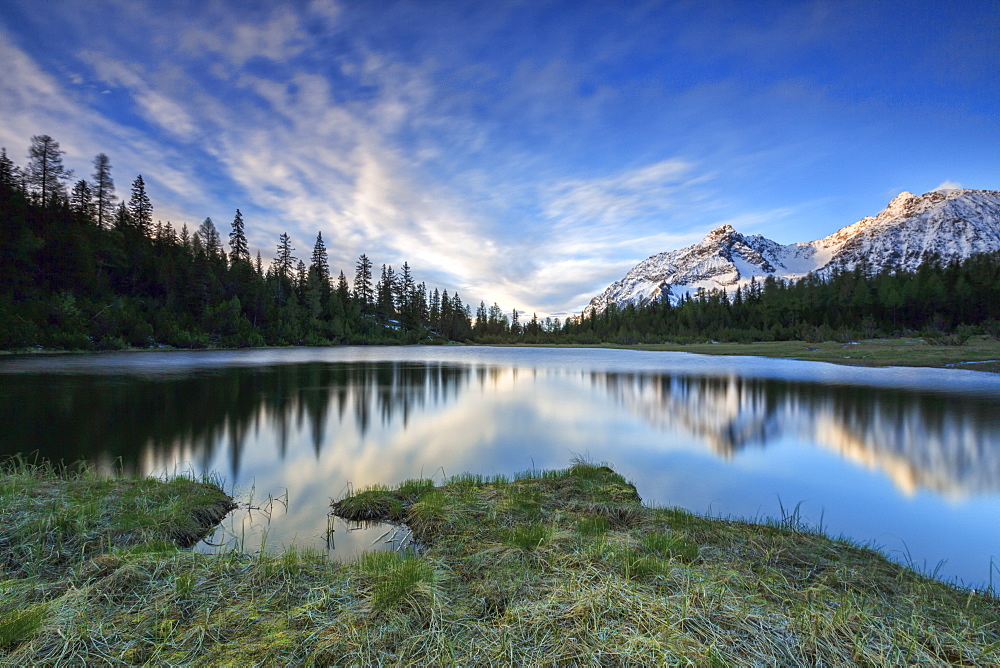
{"x": 527, "y": 153}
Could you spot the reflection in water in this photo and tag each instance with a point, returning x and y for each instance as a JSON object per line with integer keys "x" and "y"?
{"x": 306, "y": 431}
{"x": 149, "y": 423}
{"x": 941, "y": 443}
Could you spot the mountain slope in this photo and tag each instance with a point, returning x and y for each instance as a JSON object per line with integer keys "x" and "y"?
{"x": 953, "y": 224}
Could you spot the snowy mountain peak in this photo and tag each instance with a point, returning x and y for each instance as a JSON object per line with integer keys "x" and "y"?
{"x": 899, "y": 204}
{"x": 953, "y": 223}
{"x": 721, "y": 232}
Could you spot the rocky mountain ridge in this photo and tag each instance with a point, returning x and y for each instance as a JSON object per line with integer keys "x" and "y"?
{"x": 950, "y": 223}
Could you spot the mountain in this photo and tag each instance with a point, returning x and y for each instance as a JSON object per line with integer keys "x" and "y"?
{"x": 950, "y": 223}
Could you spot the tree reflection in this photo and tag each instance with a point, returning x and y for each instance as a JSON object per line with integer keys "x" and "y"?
{"x": 117, "y": 418}
{"x": 926, "y": 440}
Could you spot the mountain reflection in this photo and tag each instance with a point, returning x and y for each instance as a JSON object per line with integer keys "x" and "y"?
{"x": 943, "y": 443}
{"x": 934, "y": 441}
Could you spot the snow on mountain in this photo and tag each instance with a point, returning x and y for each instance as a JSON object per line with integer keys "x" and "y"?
{"x": 951, "y": 223}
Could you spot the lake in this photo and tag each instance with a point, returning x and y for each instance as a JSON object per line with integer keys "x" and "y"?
{"x": 905, "y": 459}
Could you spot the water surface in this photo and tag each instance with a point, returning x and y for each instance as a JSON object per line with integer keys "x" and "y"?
{"x": 907, "y": 459}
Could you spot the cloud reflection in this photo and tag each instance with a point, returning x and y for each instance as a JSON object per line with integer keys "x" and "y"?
{"x": 309, "y": 431}
{"x": 920, "y": 440}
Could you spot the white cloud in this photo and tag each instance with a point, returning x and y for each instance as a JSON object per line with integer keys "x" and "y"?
{"x": 948, "y": 185}
{"x": 644, "y": 191}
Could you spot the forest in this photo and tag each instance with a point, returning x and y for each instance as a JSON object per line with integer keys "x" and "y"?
{"x": 84, "y": 270}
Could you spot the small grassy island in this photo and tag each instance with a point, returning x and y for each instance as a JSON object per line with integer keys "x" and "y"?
{"x": 554, "y": 566}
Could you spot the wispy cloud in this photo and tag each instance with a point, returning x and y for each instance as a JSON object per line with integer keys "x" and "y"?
{"x": 949, "y": 185}
{"x": 514, "y": 153}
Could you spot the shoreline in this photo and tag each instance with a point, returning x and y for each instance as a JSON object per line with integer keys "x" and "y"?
{"x": 980, "y": 353}
{"x": 543, "y": 567}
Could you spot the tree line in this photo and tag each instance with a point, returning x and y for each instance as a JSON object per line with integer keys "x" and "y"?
{"x": 82, "y": 269}
{"x": 942, "y": 302}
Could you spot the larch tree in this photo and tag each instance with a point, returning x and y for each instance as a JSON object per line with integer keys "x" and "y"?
{"x": 211, "y": 239}
{"x": 104, "y": 190}
{"x": 45, "y": 171}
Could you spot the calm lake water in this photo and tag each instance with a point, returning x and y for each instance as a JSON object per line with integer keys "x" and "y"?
{"x": 905, "y": 459}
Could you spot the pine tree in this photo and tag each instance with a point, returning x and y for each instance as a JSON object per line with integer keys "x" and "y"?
{"x": 240, "y": 250}
{"x": 45, "y": 169}
{"x": 141, "y": 208}
{"x": 104, "y": 190}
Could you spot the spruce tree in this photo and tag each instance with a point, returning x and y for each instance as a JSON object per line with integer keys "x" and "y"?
{"x": 240, "y": 250}
{"x": 320, "y": 266}
{"x": 283, "y": 266}
{"x": 123, "y": 219}
{"x": 285, "y": 261}
{"x": 301, "y": 280}
{"x": 141, "y": 208}
{"x": 363, "y": 284}
{"x": 10, "y": 175}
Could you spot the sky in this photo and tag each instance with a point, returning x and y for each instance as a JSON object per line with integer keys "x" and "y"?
{"x": 523, "y": 153}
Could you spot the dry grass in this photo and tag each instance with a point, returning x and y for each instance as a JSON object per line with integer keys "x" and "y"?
{"x": 549, "y": 567}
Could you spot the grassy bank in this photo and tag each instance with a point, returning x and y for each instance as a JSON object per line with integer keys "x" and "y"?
{"x": 978, "y": 353}
{"x": 564, "y": 566}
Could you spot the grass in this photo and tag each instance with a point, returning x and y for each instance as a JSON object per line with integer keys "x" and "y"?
{"x": 978, "y": 353}
{"x": 545, "y": 567}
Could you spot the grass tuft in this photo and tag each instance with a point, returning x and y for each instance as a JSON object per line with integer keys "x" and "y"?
{"x": 528, "y": 536}
{"x": 400, "y": 579}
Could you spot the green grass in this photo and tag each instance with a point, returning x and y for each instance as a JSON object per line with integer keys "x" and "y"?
{"x": 536, "y": 568}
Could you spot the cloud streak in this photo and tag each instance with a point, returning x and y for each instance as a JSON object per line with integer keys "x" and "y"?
{"x": 525, "y": 155}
